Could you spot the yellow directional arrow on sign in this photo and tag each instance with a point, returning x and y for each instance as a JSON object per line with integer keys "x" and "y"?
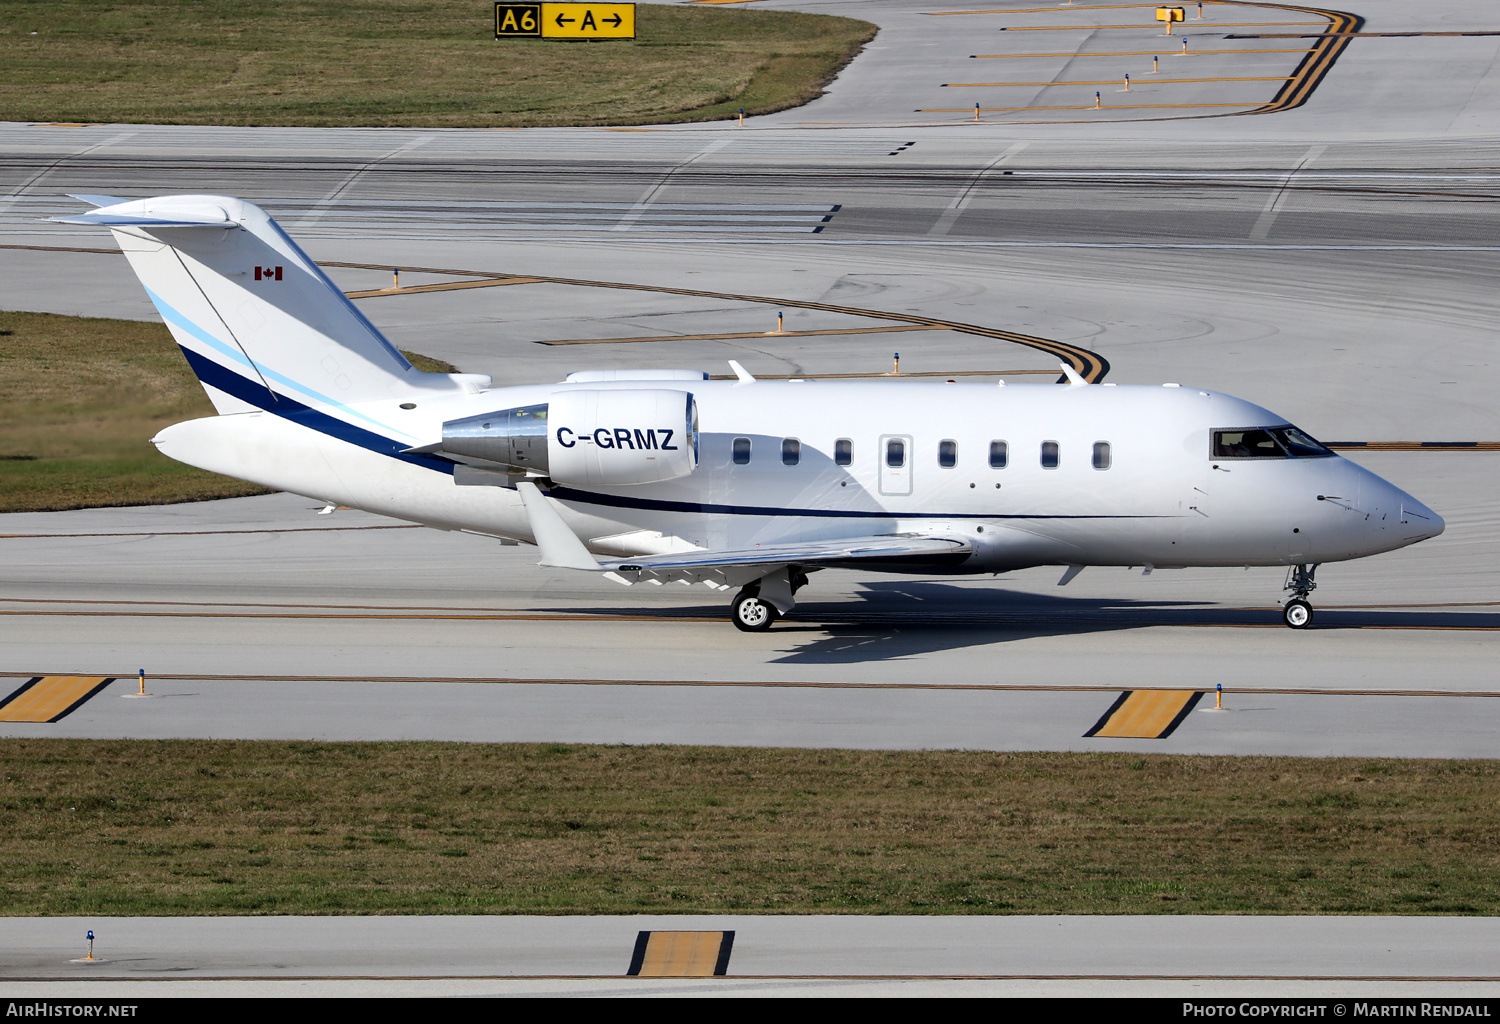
{"x": 588, "y": 21}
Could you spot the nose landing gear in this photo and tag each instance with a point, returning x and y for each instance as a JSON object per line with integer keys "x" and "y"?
{"x": 1298, "y": 612}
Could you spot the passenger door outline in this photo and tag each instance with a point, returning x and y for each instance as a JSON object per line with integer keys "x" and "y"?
{"x": 896, "y": 481}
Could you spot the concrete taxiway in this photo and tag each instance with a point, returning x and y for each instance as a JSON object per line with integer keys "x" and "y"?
{"x": 1178, "y": 956}
{"x": 271, "y": 624}
{"x": 1332, "y": 261}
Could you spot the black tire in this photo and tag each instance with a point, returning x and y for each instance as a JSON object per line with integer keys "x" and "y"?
{"x": 1297, "y": 613}
{"x": 750, "y": 614}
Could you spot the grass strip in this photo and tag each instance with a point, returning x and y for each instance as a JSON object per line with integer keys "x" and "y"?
{"x": 80, "y": 400}
{"x": 220, "y": 827}
{"x": 414, "y": 63}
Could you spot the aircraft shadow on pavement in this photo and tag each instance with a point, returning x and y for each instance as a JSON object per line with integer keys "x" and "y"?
{"x": 894, "y": 619}
{"x": 898, "y": 619}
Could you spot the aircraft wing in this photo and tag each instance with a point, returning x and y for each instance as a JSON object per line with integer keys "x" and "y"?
{"x": 888, "y": 548}
{"x": 561, "y": 547}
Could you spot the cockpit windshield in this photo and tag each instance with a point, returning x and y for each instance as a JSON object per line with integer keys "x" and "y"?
{"x": 1283, "y": 442}
{"x": 1300, "y": 445}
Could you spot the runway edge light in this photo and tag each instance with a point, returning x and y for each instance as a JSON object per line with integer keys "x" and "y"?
{"x": 142, "y": 691}
{"x": 90, "y": 958}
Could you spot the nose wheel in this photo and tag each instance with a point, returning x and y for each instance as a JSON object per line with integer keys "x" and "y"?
{"x": 750, "y": 613}
{"x": 1298, "y": 612}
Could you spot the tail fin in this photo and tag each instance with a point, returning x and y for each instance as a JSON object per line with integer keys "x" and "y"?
{"x": 261, "y": 325}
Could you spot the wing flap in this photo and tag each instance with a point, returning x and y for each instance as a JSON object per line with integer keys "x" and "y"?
{"x": 890, "y": 548}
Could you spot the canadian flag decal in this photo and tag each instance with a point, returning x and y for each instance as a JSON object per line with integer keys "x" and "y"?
{"x": 268, "y": 273}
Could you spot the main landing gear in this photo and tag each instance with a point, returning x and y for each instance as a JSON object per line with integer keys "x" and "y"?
{"x": 1298, "y": 612}
{"x": 767, "y": 599}
{"x": 750, "y": 613}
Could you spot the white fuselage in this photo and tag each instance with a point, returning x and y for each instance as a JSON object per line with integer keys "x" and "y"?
{"x": 1162, "y": 500}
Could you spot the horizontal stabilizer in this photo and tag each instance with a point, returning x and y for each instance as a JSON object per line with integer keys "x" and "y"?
{"x": 152, "y": 213}
{"x": 890, "y": 548}
{"x": 115, "y": 221}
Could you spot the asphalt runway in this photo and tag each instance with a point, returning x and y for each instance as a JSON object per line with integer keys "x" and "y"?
{"x": 1334, "y": 261}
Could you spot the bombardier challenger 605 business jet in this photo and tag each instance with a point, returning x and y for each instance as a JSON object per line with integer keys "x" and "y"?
{"x": 664, "y": 475}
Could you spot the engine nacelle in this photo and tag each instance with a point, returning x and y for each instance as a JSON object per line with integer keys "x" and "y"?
{"x": 599, "y": 438}
{"x": 614, "y": 438}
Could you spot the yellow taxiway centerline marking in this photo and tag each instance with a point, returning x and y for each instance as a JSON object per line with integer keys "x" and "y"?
{"x": 879, "y": 376}
{"x": 1086, "y": 106}
{"x": 210, "y": 533}
{"x": 572, "y": 617}
{"x": 463, "y": 608}
{"x": 1131, "y": 53}
{"x": 1427, "y": 978}
{"x": 1069, "y": 7}
{"x": 1114, "y": 81}
{"x": 1414, "y": 446}
{"x": 786, "y": 684}
{"x": 1085, "y": 362}
{"x": 1361, "y": 35}
{"x": 1148, "y": 25}
{"x": 445, "y": 286}
{"x": 748, "y": 334}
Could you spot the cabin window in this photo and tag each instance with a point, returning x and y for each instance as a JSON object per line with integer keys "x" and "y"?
{"x": 1049, "y": 455}
{"x": 843, "y": 452}
{"x": 895, "y": 453}
{"x": 791, "y": 451}
{"x": 999, "y": 454}
{"x": 1101, "y": 454}
{"x": 947, "y": 454}
{"x": 742, "y": 451}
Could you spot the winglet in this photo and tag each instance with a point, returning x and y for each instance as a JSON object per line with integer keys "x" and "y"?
{"x": 742, "y": 373}
{"x": 97, "y": 200}
{"x": 560, "y": 545}
{"x": 1074, "y": 380}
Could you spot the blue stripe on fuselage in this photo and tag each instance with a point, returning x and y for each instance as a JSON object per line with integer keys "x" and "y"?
{"x": 175, "y": 317}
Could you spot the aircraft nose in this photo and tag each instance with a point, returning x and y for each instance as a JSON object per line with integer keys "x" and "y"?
{"x": 1419, "y": 521}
